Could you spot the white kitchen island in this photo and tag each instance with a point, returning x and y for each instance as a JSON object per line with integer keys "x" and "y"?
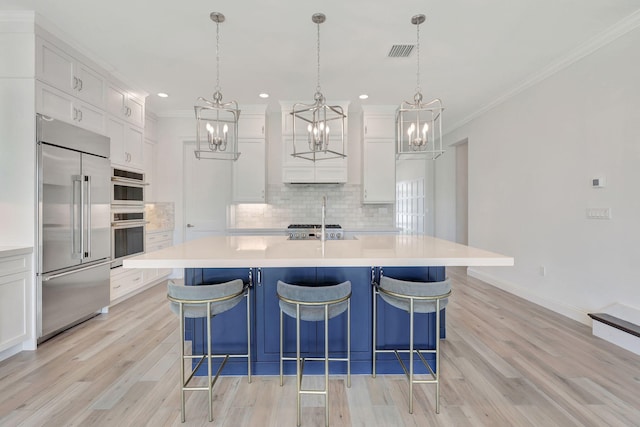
{"x": 263, "y": 260}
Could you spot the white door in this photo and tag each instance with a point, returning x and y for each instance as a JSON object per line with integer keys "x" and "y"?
{"x": 207, "y": 195}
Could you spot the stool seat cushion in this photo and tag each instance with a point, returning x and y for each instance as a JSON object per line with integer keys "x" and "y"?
{"x": 313, "y": 294}
{"x": 204, "y": 293}
{"x": 415, "y": 289}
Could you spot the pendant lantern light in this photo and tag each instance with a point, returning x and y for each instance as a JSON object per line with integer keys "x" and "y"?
{"x": 217, "y": 121}
{"x": 318, "y": 126}
{"x": 418, "y": 123}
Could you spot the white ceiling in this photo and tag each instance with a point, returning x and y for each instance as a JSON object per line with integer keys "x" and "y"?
{"x": 473, "y": 52}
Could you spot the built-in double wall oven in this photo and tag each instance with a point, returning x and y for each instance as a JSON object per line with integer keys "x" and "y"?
{"x": 128, "y": 222}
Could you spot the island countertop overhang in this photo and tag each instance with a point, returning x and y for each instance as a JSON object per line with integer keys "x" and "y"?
{"x": 278, "y": 251}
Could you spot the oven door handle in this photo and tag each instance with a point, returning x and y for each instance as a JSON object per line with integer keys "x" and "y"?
{"x": 128, "y": 224}
{"x": 128, "y": 181}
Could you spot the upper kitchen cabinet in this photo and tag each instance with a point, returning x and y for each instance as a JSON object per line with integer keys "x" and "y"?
{"x": 125, "y": 105}
{"x": 127, "y": 144}
{"x": 378, "y": 155}
{"x": 249, "y": 171}
{"x": 59, "y": 68}
{"x": 149, "y": 154}
{"x": 62, "y": 106}
{"x": 297, "y": 170}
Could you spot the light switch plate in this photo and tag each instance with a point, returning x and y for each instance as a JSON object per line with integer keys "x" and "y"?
{"x": 598, "y": 213}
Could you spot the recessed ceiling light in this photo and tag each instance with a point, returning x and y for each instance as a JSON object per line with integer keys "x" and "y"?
{"x": 163, "y": 95}
{"x": 264, "y": 95}
{"x": 363, "y": 96}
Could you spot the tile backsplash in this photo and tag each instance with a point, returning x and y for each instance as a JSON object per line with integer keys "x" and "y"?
{"x": 302, "y": 204}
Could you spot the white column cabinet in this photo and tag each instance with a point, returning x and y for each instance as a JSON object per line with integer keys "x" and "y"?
{"x": 378, "y": 155}
{"x": 127, "y": 148}
{"x": 249, "y": 171}
{"x": 62, "y": 106}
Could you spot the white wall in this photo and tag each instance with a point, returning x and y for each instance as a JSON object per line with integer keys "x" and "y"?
{"x": 531, "y": 161}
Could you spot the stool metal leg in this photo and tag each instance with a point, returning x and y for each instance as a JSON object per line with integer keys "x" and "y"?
{"x": 437, "y": 356}
{"x": 182, "y": 384}
{"x": 411, "y": 356}
{"x": 326, "y": 365}
{"x": 209, "y": 367}
{"x": 298, "y": 373}
{"x": 349, "y": 343}
{"x": 249, "y": 334}
{"x": 281, "y": 331}
{"x": 375, "y": 322}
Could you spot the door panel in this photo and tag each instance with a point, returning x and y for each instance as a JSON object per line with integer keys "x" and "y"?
{"x": 207, "y": 195}
{"x": 60, "y": 208}
{"x": 98, "y": 237}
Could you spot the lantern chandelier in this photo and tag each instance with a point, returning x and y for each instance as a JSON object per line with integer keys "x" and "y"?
{"x": 318, "y": 126}
{"x": 217, "y": 121}
{"x": 419, "y": 124}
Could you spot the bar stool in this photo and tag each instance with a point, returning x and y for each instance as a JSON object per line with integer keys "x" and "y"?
{"x": 196, "y": 302}
{"x": 314, "y": 304}
{"x": 413, "y": 297}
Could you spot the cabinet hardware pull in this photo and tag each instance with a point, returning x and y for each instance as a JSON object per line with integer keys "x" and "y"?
{"x": 80, "y": 80}
{"x": 75, "y": 82}
{"x": 80, "y": 113}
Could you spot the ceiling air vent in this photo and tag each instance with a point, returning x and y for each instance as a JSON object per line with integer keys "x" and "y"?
{"x": 401, "y": 50}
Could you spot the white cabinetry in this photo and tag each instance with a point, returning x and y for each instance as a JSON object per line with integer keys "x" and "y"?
{"x": 61, "y": 70}
{"x": 126, "y": 143}
{"x": 149, "y": 155}
{"x": 15, "y": 297}
{"x": 297, "y": 170}
{"x": 125, "y": 281}
{"x": 249, "y": 171}
{"x": 62, "y": 106}
{"x": 378, "y": 155}
{"x": 123, "y": 104}
{"x": 154, "y": 242}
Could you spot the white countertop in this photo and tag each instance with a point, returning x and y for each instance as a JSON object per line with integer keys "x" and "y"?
{"x": 277, "y": 251}
{"x": 6, "y": 251}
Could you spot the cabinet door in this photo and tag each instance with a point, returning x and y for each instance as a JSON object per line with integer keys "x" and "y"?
{"x": 379, "y": 171}
{"x": 13, "y": 308}
{"x": 149, "y": 161}
{"x": 379, "y": 126}
{"x": 134, "y": 145}
{"x": 62, "y": 106}
{"x": 135, "y": 110}
{"x": 115, "y": 131}
{"x": 249, "y": 172}
{"x": 54, "y": 66}
{"x": 116, "y": 98}
{"x": 90, "y": 86}
{"x": 251, "y": 126}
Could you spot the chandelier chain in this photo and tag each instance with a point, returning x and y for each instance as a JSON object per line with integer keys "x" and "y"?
{"x": 318, "y": 57}
{"x": 217, "y": 57}
{"x": 418, "y": 58}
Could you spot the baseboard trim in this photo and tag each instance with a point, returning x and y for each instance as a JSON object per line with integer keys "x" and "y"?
{"x": 571, "y": 312}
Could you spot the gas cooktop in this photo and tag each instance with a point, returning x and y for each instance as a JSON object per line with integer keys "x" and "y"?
{"x": 313, "y": 231}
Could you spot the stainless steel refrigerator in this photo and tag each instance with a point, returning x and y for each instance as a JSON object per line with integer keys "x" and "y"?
{"x": 74, "y": 241}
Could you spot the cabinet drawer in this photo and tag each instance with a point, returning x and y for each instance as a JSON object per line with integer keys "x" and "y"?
{"x": 123, "y": 282}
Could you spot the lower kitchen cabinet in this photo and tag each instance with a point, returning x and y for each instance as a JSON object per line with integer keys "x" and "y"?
{"x": 126, "y": 282}
{"x": 15, "y": 294}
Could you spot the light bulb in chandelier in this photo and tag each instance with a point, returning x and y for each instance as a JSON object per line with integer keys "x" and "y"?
{"x": 217, "y": 140}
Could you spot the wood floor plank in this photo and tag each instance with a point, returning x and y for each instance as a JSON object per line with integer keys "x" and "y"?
{"x": 506, "y": 362}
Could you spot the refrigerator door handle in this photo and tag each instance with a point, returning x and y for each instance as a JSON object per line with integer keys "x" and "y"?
{"x": 87, "y": 180}
{"x": 46, "y": 278}
{"x": 76, "y": 254}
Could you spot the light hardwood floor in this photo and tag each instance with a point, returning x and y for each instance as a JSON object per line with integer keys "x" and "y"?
{"x": 506, "y": 362}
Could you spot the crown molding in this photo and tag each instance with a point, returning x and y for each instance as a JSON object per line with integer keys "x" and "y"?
{"x": 621, "y": 28}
